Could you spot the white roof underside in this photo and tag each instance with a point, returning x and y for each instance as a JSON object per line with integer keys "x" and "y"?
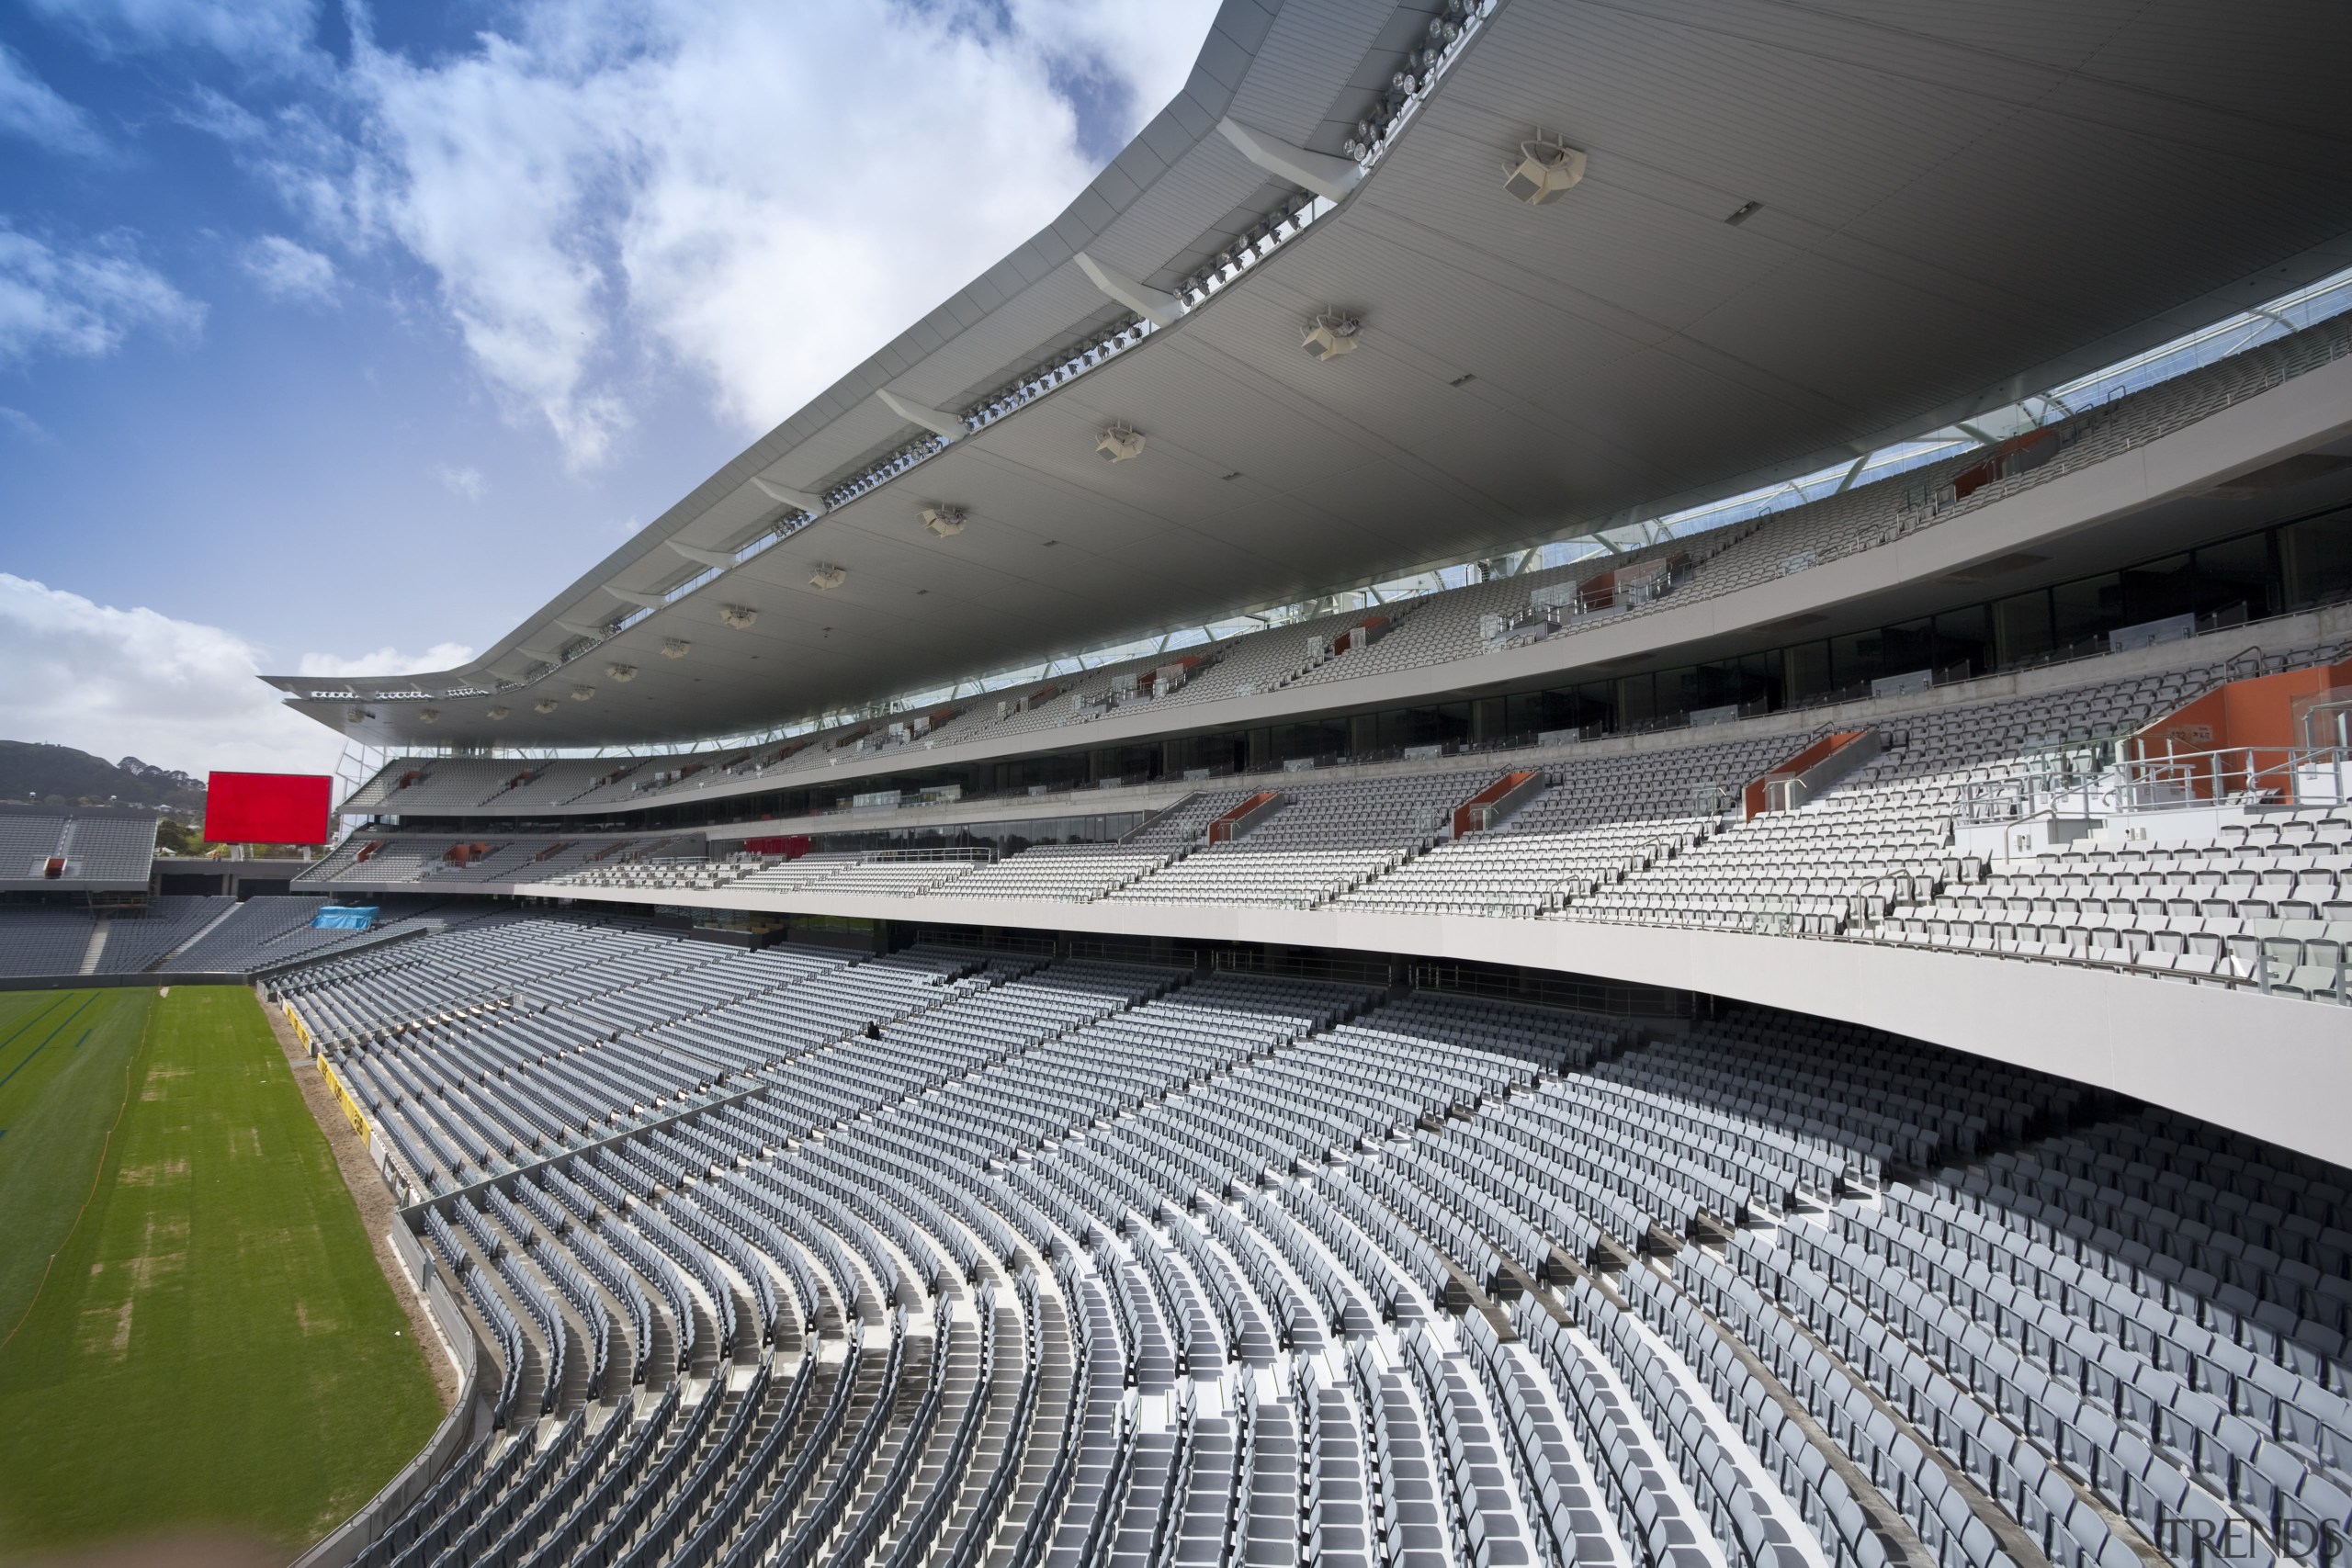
{"x": 1961, "y": 202}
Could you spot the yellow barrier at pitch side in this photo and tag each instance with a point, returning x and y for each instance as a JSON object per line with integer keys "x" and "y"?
{"x": 343, "y": 1097}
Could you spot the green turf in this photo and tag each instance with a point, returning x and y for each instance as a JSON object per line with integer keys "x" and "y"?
{"x": 214, "y": 1346}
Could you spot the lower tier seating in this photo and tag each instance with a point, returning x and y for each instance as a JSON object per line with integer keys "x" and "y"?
{"x": 959, "y": 1255}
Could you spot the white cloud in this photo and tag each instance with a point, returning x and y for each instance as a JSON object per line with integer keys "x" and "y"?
{"x": 25, "y": 426}
{"x": 136, "y": 682}
{"x": 387, "y": 661}
{"x": 29, "y": 107}
{"x": 466, "y": 481}
{"x": 763, "y": 194}
{"x": 288, "y": 271}
{"x": 83, "y": 302}
{"x": 247, "y": 30}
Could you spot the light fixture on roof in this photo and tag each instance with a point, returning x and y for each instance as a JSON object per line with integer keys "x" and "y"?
{"x": 738, "y": 615}
{"x": 496, "y": 713}
{"x": 355, "y": 714}
{"x": 428, "y": 716}
{"x": 825, "y": 579}
{"x": 623, "y": 674}
{"x": 1120, "y": 443}
{"x": 582, "y": 694}
{"x": 944, "y": 521}
{"x": 1544, "y": 169}
{"x": 1331, "y": 334}
{"x": 545, "y": 704}
{"x": 676, "y": 647}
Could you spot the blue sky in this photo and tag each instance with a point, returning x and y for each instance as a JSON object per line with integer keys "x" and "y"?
{"x": 337, "y": 337}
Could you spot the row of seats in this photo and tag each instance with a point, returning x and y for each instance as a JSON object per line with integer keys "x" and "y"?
{"x": 1661, "y": 834}
{"x": 85, "y": 847}
{"x": 963, "y": 1253}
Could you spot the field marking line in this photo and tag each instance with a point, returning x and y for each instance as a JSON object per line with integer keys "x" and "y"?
{"x": 96, "y": 1177}
{"x": 25, "y": 1026}
{"x": 53, "y": 1034}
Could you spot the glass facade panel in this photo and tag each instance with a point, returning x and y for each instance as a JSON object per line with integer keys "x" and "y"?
{"x": 2080, "y": 611}
{"x": 2318, "y": 564}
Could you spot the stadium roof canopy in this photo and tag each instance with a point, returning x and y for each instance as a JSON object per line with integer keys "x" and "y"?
{"x": 1803, "y": 229}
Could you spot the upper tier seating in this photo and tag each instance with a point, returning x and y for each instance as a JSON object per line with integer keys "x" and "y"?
{"x": 87, "y": 847}
{"x": 108, "y": 849}
{"x": 1075, "y": 871}
{"x": 1321, "y": 840}
{"x": 1654, "y": 830}
{"x": 1443, "y": 628}
{"x": 1598, "y": 820}
{"x": 2270, "y": 903}
{"x": 28, "y": 840}
{"x": 1877, "y": 857}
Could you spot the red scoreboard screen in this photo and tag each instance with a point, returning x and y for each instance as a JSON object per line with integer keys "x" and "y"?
{"x": 266, "y": 809}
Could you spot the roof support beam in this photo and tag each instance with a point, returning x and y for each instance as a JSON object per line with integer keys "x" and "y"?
{"x": 581, "y": 628}
{"x": 631, "y": 596}
{"x": 814, "y": 505}
{"x": 1328, "y": 177}
{"x": 944, "y": 425}
{"x": 722, "y": 559}
{"x": 1159, "y": 309}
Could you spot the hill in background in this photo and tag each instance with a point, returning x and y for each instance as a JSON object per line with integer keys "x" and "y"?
{"x": 60, "y": 775}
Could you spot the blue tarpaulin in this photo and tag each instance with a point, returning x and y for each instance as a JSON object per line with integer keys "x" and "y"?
{"x": 345, "y": 916}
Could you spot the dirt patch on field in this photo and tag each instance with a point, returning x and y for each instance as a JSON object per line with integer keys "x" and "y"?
{"x": 105, "y": 1331}
{"x": 367, "y": 1189}
{"x": 151, "y": 1087}
{"x": 163, "y": 1249}
{"x": 152, "y": 1175}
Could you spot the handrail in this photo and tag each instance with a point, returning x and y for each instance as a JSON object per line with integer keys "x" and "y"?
{"x": 2122, "y": 775}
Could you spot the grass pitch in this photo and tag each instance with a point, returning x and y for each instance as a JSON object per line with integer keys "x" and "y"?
{"x": 212, "y": 1345}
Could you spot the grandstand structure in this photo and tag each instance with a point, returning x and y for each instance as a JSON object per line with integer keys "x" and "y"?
{"x": 1687, "y": 909}
{"x": 89, "y": 849}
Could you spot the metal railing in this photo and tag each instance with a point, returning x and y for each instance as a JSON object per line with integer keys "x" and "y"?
{"x": 2125, "y": 775}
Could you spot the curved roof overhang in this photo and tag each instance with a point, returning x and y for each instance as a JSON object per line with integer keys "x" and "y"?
{"x": 1936, "y": 213}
